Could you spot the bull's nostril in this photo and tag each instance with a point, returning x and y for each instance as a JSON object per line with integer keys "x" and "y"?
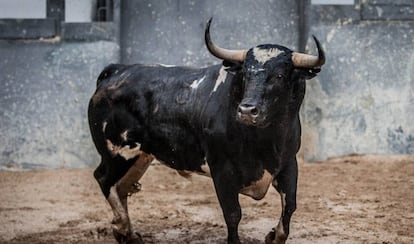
{"x": 248, "y": 110}
{"x": 254, "y": 111}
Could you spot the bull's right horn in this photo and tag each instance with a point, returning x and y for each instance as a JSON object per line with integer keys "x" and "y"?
{"x": 301, "y": 60}
{"x": 222, "y": 53}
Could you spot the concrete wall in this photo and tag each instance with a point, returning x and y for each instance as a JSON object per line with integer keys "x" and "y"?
{"x": 172, "y": 31}
{"x": 44, "y": 96}
{"x": 363, "y": 101}
{"x": 34, "y": 9}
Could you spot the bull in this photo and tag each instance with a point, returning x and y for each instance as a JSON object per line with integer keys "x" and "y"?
{"x": 236, "y": 122}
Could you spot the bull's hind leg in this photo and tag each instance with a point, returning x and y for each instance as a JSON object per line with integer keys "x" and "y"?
{"x": 286, "y": 184}
{"x": 128, "y": 185}
{"x": 117, "y": 183}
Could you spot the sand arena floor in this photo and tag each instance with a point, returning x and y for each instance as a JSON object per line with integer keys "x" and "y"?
{"x": 354, "y": 199}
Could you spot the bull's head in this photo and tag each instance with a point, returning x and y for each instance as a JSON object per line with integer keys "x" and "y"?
{"x": 269, "y": 76}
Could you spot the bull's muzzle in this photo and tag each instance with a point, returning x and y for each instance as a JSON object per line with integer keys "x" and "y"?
{"x": 248, "y": 113}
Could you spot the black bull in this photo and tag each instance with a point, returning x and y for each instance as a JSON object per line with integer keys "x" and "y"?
{"x": 237, "y": 123}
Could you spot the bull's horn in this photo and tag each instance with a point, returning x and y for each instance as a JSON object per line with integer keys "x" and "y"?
{"x": 301, "y": 60}
{"x": 222, "y": 53}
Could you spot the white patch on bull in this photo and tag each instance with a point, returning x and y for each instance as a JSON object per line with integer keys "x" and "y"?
{"x": 156, "y": 108}
{"x": 221, "y": 78}
{"x": 104, "y": 124}
{"x": 258, "y": 189}
{"x": 196, "y": 83}
{"x": 264, "y": 55}
{"x": 256, "y": 70}
{"x": 124, "y": 135}
{"x": 126, "y": 151}
{"x": 167, "y": 65}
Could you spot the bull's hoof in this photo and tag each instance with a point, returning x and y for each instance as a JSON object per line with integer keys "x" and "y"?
{"x": 132, "y": 238}
{"x": 272, "y": 238}
{"x": 136, "y": 239}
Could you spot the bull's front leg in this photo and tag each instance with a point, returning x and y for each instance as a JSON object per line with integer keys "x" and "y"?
{"x": 227, "y": 193}
{"x": 286, "y": 184}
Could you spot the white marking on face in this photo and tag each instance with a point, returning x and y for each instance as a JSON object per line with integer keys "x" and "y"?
{"x": 221, "y": 78}
{"x": 258, "y": 189}
{"x": 264, "y": 55}
{"x": 126, "y": 151}
{"x": 257, "y": 70}
{"x": 196, "y": 83}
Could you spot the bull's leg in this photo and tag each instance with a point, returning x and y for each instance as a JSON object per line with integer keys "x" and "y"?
{"x": 117, "y": 181}
{"x": 127, "y": 185}
{"x": 286, "y": 184}
{"x": 227, "y": 192}
{"x": 107, "y": 174}
{"x": 121, "y": 226}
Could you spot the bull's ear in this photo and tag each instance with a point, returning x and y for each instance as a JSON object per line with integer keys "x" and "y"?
{"x": 232, "y": 67}
{"x": 306, "y": 73}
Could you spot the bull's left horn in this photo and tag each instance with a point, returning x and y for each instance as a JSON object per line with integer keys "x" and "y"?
{"x": 222, "y": 53}
{"x": 301, "y": 60}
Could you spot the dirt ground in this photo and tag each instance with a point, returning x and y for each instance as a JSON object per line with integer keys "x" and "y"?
{"x": 353, "y": 199}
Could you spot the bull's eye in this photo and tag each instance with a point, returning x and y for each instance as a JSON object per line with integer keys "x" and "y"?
{"x": 276, "y": 78}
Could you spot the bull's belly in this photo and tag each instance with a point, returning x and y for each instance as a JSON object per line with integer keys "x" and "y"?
{"x": 256, "y": 189}
{"x": 176, "y": 145}
{"x": 185, "y": 167}
{"x": 185, "y": 155}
